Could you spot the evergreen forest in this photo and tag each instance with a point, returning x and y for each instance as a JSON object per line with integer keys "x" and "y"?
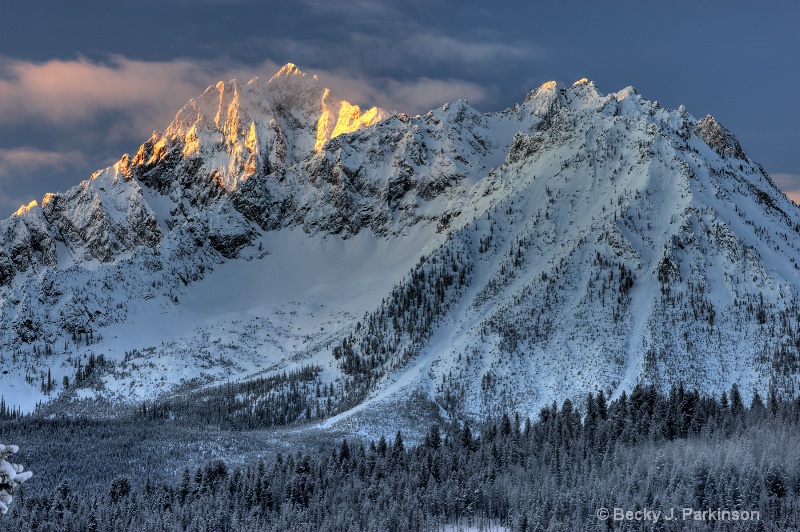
{"x": 641, "y": 452}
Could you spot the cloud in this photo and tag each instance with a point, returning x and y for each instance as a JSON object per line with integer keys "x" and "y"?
{"x": 78, "y": 91}
{"x": 440, "y": 48}
{"x": 413, "y": 96}
{"x": 424, "y": 93}
{"x": 24, "y": 173}
{"x": 429, "y": 52}
{"x": 789, "y": 185}
{"x": 59, "y": 91}
{"x": 417, "y": 34}
{"x": 356, "y": 10}
{"x": 145, "y": 95}
{"x": 23, "y": 161}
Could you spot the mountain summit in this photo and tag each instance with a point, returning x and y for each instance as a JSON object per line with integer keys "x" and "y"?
{"x": 580, "y": 241}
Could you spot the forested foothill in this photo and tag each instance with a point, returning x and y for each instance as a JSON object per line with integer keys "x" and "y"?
{"x": 640, "y": 451}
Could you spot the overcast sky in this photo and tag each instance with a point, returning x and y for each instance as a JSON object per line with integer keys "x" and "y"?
{"x": 84, "y": 81}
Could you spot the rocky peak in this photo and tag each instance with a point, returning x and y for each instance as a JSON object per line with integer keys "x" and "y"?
{"x": 543, "y": 100}
{"x": 719, "y": 138}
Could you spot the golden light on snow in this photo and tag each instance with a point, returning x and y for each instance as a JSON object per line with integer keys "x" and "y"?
{"x": 581, "y": 81}
{"x": 25, "y": 208}
{"x": 192, "y": 143}
{"x": 342, "y": 117}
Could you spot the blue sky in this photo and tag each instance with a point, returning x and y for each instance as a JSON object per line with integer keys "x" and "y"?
{"x": 84, "y": 81}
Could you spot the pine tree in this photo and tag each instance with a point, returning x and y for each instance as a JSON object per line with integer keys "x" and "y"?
{"x": 398, "y": 448}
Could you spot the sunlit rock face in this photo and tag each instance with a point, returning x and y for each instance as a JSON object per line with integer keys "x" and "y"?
{"x": 340, "y": 116}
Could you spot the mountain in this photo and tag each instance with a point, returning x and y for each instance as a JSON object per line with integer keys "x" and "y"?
{"x": 459, "y": 260}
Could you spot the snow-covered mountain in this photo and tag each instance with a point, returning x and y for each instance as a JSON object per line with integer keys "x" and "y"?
{"x": 577, "y": 242}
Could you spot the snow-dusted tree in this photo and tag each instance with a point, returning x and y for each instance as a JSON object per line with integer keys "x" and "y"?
{"x": 11, "y": 475}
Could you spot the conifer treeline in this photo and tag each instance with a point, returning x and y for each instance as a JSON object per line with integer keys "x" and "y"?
{"x": 641, "y": 451}
{"x": 261, "y": 403}
{"x": 394, "y": 334}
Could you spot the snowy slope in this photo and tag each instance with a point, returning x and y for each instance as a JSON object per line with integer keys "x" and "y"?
{"x": 618, "y": 243}
{"x": 577, "y": 242}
